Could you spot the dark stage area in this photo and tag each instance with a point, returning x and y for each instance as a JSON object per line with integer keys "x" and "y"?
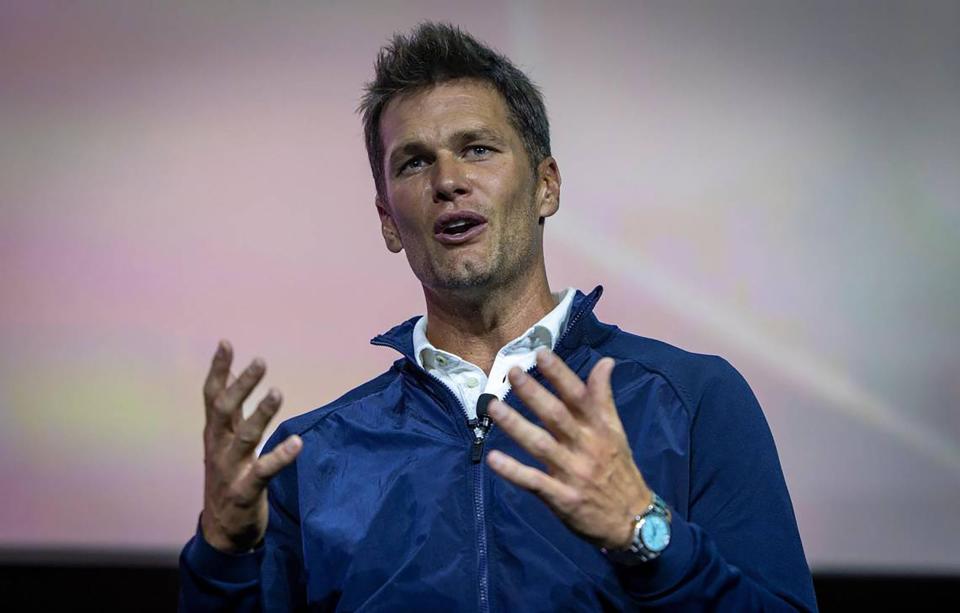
{"x": 146, "y": 583}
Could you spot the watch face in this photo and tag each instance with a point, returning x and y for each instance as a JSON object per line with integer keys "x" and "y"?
{"x": 655, "y": 533}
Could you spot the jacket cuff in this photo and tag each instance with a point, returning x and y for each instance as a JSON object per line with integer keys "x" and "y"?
{"x": 662, "y": 574}
{"x": 214, "y": 565}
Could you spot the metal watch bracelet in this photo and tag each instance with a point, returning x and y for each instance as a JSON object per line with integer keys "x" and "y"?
{"x": 638, "y": 552}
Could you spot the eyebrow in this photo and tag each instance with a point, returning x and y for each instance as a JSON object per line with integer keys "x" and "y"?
{"x": 461, "y": 138}
{"x": 468, "y": 136}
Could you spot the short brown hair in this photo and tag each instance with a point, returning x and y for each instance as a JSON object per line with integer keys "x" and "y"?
{"x": 434, "y": 53}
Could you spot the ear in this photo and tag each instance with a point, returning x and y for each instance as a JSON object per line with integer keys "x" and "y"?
{"x": 388, "y": 228}
{"x": 548, "y": 187}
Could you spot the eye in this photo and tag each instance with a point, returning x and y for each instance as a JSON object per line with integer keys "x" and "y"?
{"x": 478, "y": 151}
{"x": 411, "y": 165}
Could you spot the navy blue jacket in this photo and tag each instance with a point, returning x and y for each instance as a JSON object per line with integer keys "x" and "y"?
{"x": 384, "y": 510}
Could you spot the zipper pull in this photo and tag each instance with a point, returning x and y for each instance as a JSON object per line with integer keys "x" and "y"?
{"x": 482, "y": 416}
{"x": 476, "y": 450}
{"x": 483, "y": 423}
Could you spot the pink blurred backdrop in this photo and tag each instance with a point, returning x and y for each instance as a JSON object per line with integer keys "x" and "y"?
{"x": 775, "y": 184}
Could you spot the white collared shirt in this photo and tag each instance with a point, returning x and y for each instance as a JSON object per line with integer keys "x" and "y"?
{"x": 466, "y": 380}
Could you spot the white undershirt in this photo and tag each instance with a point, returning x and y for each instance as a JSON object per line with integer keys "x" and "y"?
{"x": 466, "y": 380}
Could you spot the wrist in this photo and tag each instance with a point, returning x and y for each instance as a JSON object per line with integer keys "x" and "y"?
{"x": 623, "y": 538}
{"x": 650, "y": 534}
{"x": 218, "y": 538}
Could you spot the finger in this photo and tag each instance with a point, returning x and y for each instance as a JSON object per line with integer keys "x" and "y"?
{"x": 537, "y": 441}
{"x": 230, "y": 401}
{"x": 600, "y": 388}
{"x": 271, "y": 463}
{"x": 250, "y": 430}
{"x": 551, "y": 410}
{"x": 217, "y": 376}
{"x": 552, "y": 491}
{"x": 235, "y": 416}
{"x": 570, "y": 388}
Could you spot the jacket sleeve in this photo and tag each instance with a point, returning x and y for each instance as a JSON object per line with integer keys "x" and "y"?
{"x": 739, "y": 549}
{"x": 270, "y": 578}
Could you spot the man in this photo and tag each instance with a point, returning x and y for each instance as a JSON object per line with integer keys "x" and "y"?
{"x": 520, "y": 455}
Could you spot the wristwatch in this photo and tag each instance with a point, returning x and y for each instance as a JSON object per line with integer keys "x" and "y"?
{"x": 651, "y": 535}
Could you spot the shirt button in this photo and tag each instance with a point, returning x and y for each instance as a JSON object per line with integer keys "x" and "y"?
{"x": 472, "y": 382}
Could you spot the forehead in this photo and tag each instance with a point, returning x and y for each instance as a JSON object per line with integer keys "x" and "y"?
{"x": 442, "y": 110}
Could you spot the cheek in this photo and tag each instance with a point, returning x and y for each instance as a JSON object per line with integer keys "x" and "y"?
{"x": 405, "y": 212}
{"x": 520, "y": 204}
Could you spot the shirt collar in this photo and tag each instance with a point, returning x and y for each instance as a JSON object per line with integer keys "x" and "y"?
{"x": 544, "y": 333}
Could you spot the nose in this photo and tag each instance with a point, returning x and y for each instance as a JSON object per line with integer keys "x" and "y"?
{"x": 449, "y": 179}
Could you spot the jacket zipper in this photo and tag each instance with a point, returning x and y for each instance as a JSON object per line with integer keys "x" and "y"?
{"x": 476, "y": 454}
{"x": 480, "y": 428}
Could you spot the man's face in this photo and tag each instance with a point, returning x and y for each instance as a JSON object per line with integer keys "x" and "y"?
{"x": 462, "y": 199}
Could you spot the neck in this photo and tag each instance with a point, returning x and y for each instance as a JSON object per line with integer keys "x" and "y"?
{"x": 475, "y": 326}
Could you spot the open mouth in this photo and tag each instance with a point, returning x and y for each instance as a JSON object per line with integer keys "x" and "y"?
{"x": 458, "y": 227}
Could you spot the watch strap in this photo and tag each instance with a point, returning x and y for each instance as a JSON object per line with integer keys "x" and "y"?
{"x": 638, "y": 552}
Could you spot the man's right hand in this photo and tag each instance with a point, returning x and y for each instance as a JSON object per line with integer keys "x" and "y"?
{"x": 235, "y": 512}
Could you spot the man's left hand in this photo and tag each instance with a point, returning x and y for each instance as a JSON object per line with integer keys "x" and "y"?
{"x": 592, "y": 482}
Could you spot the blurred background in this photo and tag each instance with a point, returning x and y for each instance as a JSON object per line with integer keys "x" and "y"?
{"x": 774, "y": 182}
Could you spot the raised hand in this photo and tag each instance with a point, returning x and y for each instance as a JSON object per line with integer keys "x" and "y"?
{"x": 592, "y": 482}
{"x": 235, "y": 513}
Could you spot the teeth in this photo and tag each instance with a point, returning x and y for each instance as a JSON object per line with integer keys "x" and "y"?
{"x": 460, "y": 225}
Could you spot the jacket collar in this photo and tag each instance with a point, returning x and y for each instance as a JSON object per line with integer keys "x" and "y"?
{"x": 400, "y": 337}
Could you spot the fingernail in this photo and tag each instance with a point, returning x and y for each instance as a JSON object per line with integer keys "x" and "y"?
{"x": 519, "y": 377}
{"x": 495, "y": 408}
{"x": 293, "y": 443}
{"x": 544, "y": 356}
{"x": 494, "y": 459}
